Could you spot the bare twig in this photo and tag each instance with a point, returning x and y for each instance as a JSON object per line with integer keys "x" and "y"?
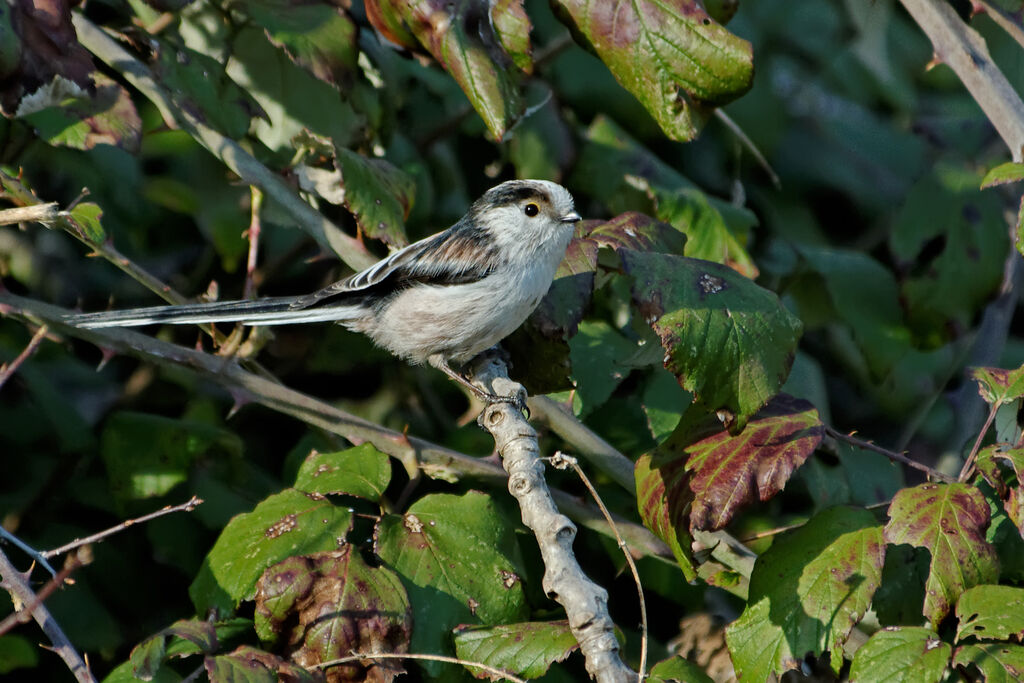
{"x": 968, "y": 469}
{"x": 1002, "y": 18}
{"x": 359, "y": 657}
{"x": 187, "y": 506}
{"x": 26, "y": 214}
{"x": 958, "y": 45}
{"x": 22, "y": 615}
{"x": 233, "y": 155}
{"x": 585, "y": 603}
{"x": 14, "y": 583}
{"x": 745, "y": 140}
{"x": 8, "y": 369}
{"x": 560, "y": 461}
{"x": 892, "y": 455}
{"x": 253, "y": 235}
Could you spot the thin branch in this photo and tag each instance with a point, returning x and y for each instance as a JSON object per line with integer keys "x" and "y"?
{"x": 964, "y": 50}
{"x": 585, "y": 603}
{"x": 188, "y": 506}
{"x": 233, "y": 155}
{"x": 253, "y": 235}
{"x": 359, "y": 657}
{"x": 892, "y": 455}
{"x": 13, "y": 582}
{"x": 21, "y": 616}
{"x": 28, "y": 214}
{"x": 1002, "y": 18}
{"x": 28, "y": 550}
{"x": 745, "y": 140}
{"x": 560, "y": 461}
{"x": 968, "y": 469}
{"x": 7, "y": 370}
{"x": 434, "y": 460}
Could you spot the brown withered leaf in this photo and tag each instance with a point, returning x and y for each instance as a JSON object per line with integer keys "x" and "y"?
{"x": 43, "y": 61}
{"x": 330, "y": 604}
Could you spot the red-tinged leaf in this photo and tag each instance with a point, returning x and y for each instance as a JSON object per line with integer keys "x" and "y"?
{"x": 950, "y": 521}
{"x": 41, "y": 61}
{"x": 105, "y": 116}
{"x": 327, "y": 605}
{"x": 632, "y": 230}
{"x": 470, "y": 39}
{"x": 512, "y": 26}
{"x": 999, "y": 386}
{"x": 807, "y": 592}
{"x": 663, "y": 499}
{"x": 249, "y": 665}
{"x": 991, "y": 461}
{"x": 670, "y": 55}
{"x": 729, "y": 472}
{"x": 728, "y": 341}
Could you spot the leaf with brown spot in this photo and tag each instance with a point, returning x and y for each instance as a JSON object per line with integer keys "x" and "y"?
{"x": 106, "y": 116}
{"x": 997, "y": 662}
{"x": 908, "y": 653}
{"x": 950, "y": 521}
{"x": 639, "y": 232}
{"x": 250, "y": 665}
{"x": 479, "y": 43}
{"x": 526, "y": 649}
{"x": 327, "y": 605}
{"x": 729, "y": 472}
{"x": 670, "y": 55}
{"x": 727, "y": 340}
{"x": 998, "y": 386}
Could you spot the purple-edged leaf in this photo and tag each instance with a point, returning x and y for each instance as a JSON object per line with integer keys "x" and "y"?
{"x": 991, "y": 613}
{"x": 670, "y": 55}
{"x": 636, "y": 231}
{"x": 950, "y": 521}
{"x": 456, "y": 556}
{"x": 727, "y": 340}
{"x": 470, "y": 39}
{"x": 905, "y": 654}
{"x": 527, "y": 649}
{"x": 997, "y": 662}
{"x": 807, "y": 592}
{"x": 1010, "y": 172}
{"x": 327, "y": 605}
{"x": 999, "y": 386}
{"x": 728, "y": 472}
{"x": 287, "y": 523}
{"x": 317, "y": 35}
{"x": 105, "y": 116}
{"x": 663, "y": 499}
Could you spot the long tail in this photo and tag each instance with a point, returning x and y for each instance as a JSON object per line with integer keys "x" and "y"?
{"x": 272, "y": 311}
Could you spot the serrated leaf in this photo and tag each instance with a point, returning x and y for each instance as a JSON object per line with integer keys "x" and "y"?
{"x": 1010, "y": 172}
{"x": 86, "y": 216}
{"x": 988, "y": 462}
{"x": 453, "y": 553}
{"x": 728, "y": 472}
{"x": 664, "y": 499}
{"x": 318, "y": 36}
{"x": 327, "y": 605}
{"x": 461, "y": 36}
{"x": 997, "y": 662}
{"x": 908, "y": 654}
{"x": 678, "y": 670}
{"x": 285, "y": 524}
{"x": 360, "y": 471}
{"x": 727, "y": 340}
{"x": 950, "y": 521}
{"x": 527, "y": 649}
{"x": 250, "y": 665}
{"x": 807, "y": 592}
{"x": 105, "y": 116}
{"x": 991, "y": 613}
{"x": 671, "y": 56}
{"x": 997, "y": 385}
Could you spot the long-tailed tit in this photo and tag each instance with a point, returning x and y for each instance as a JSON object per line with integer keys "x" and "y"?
{"x": 441, "y": 300}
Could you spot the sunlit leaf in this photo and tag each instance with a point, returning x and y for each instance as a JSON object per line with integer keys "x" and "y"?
{"x": 908, "y": 654}
{"x": 360, "y": 471}
{"x": 997, "y": 385}
{"x": 678, "y": 670}
{"x": 527, "y": 649}
{"x": 1009, "y": 172}
{"x": 997, "y": 662}
{"x": 991, "y": 613}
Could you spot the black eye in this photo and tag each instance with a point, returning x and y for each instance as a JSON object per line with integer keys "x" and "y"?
{"x": 531, "y": 210}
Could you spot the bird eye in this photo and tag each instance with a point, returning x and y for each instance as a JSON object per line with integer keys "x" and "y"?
{"x": 531, "y": 210}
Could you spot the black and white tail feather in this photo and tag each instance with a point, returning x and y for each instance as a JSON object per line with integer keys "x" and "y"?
{"x": 445, "y": 298}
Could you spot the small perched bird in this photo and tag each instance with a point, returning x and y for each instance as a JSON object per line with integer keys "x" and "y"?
{"x": 441, "y": 300}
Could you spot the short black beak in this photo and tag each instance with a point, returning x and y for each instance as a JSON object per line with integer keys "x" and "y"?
{"x": 570, "y": 217}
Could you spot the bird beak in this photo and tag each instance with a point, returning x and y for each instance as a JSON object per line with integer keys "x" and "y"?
{"x": 570, "y": 217}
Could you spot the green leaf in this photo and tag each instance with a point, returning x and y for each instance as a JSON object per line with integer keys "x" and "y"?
{"x": 105, "y": 117}
{"x": 728, "y": 472}
{"x": 327, "y": 605}
{"x": 16, "y": 652}
{"x": 663, "y": 499}
{"x": 1009, "y": 172}
{"x": 148, "y": 656}
{"x": 86, "y": 216}
{"x": 728, "y": 341}
{"x": 950, "y": 521}
{"x": 249, "y": 665}
{"x": 285, "y": 524}
{"x": 908, "y": 654}
{"x": 123, "y": 674}
{"x": 318, "y": 36}
{"x": 455, "y": 556}
{"x": 1012, "y": 496}
{"x": 597, "y": 352}
{"x": 991, "y": 613}
{"x": 678, "y": 670}
{"x": 378, "y": 195}
{"x": 997, "y": 385}
{"x": 807, "y": 592}
{"x": 672, "y": 57}
{"x": 527, "y": 650}
{"x": 461, "y": 36}
{"x": 1018, "y": 233}
{"x": 997, "y": 662}
{"x": 360, "y": 471}
{"x": 664, "y": 402}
